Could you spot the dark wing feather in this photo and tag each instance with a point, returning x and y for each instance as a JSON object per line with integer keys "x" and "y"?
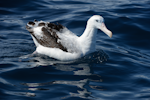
{"x": 50, "y": 37}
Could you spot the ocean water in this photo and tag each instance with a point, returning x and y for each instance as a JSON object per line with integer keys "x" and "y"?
{"x": 118, "y": 70}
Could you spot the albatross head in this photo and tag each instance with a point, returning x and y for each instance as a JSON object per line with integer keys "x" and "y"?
{"x": 97, "y": 21}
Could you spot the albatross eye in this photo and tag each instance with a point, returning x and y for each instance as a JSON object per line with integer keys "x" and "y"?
{"x": 96, "y": 20}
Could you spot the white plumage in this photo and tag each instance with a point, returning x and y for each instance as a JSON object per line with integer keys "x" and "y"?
{"x": 73, "y": 46}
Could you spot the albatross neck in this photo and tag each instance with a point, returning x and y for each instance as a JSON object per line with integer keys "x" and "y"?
{"x": 88, "y": 39}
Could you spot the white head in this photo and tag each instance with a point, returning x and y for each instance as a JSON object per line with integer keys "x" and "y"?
{"x": 97, "y": 21}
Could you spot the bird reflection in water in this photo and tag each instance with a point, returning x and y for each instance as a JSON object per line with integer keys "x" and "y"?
{"x": 81, "y": 67}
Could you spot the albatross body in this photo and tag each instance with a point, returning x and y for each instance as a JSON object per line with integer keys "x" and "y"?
{"x": 56, "y": 41}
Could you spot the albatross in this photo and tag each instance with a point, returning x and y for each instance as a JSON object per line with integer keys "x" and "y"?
{"x": 56, "y": 41}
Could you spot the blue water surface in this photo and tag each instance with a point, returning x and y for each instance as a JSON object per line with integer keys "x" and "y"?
{"x": 118, "y": 70}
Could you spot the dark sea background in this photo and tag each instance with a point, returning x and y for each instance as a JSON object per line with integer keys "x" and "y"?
{"x": 118, "y": 70}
